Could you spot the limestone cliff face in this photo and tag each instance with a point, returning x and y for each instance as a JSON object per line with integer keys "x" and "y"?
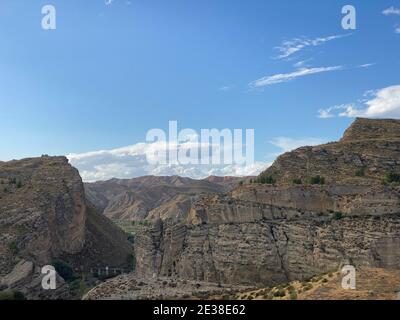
{"x": 43, "y": 207}
{"x": 44, "y": 216}
{"x": 269, "y": 250}
{"x": 269, "y": 234}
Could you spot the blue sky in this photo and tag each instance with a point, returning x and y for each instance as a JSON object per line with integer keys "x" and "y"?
{"x": 109, "y": 73}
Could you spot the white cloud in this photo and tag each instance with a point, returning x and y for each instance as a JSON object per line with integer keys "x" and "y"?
{"x": 391, "y": 11}
{"x": 226, "y": 88}
{"x": 293, "y": 46}
{"x": 302, "y": 63}
{"x": 366, "y": 65}
{"x": 108, "y": 2}
{"x": 397, "y": 30}
{"x": 329, "y": 112}
{"x": 385, "y": 103}
{"x": 285, "y": 77}
{"x": 290, "y": 144}
{"x": 131, "y": 161}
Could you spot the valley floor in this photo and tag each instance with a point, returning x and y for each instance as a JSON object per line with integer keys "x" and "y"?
{"x": 371, "y": 284}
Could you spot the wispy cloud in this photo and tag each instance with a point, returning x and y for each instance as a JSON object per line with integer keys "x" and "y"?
{"x": 397, "y": 30}
{"x": 391, "y": 11}
{"x": 290, "y": 47}
{"x": 108, "y": 2}
{"x": 330, "y": 112}
{"x": 366, "y": 65}
{"x": 286, "y": 77}
{"x": 385, "y": 103}
{"x": 302, "y": 63}
{"x": 226, "y": 88}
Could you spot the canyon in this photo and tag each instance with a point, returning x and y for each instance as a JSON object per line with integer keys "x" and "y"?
{"x": 313, "y": 211}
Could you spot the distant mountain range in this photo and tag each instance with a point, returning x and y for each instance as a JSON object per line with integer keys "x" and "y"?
{"x": 152, "y": 197}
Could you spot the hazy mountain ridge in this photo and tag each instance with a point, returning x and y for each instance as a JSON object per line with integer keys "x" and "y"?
{"x": 153, "y": 197}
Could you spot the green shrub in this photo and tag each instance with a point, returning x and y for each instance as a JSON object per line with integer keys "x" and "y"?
{"x": 309, "y": 286}
{"x": 12, "y": 181}
{"x": 265, "y": 180}
{"x": 6, "y": 295}
{"x": 12, "y": 295}
{"x": 338, "y": 215}
{"x": 293, "y": 295}
{"x": 317, "y": 180}
{"x": 360, "y": 172}
{"x": 391, "y": 177}
{"x": 19, "y": 184}
{"x": 12, "y": 246}
{"x": 297, "y": 181}
{"x": 280, "y": 293}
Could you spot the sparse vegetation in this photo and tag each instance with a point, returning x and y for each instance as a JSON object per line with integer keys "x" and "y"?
{"x": 265, "y": 180}
{"x": 293, "y": 295}
{"x": 280, "y": 293}
{"x": 12, "y": 246}
{"x": 338, "y": 215}
{"x": 297, "y": 181}
{"x": 307, "y": 287}
{"x": 391, "y": 178}
{"x": 360, "y": 172}
{"x": 317, "y": 180}
{"x": 12, "y": 295}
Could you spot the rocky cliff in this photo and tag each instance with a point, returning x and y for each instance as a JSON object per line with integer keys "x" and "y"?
{"x": 44, "y": 217}
{"x": 261, "y": 234}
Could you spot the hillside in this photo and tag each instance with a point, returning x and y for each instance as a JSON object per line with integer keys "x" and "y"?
{"x": 369, "y": 150}
{"x": 44, "y": 219}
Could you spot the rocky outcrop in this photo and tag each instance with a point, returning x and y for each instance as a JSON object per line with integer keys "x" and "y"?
{"x": 269, "y": 234}
{"x": 369, "y": 150}
{"x": 44, "y": 216}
